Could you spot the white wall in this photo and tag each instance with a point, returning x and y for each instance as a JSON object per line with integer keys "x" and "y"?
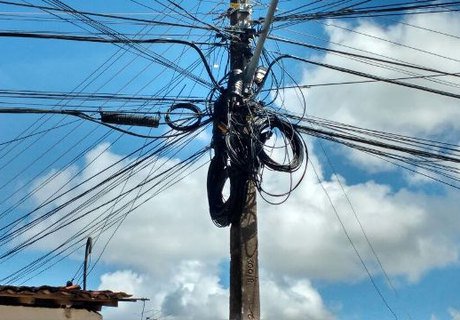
{"x": 36, "y": 313}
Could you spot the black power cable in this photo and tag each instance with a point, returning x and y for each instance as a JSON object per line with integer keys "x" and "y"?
{"x": 111, "y": 16}
{"x": 116, "y": 41}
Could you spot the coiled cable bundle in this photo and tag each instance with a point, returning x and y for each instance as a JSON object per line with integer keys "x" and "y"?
{"x": 290, "y": 136}
{"x": 188, "y": 123}
{"x": 241, "y": 152}
{"x": 224, "y": 211}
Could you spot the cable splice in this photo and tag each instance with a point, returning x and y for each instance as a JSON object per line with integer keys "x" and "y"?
{"x": 130, "y": 119}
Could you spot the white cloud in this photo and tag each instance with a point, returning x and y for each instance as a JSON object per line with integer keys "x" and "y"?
{"x": 169, "y": 250}
{"x": 454, "y": 313}
{"x": 299, "y": 300}
{"x": 173, "y": 250}
{"x": 400, "y": 226}
{"x": 194, "y": 292}
{"x": 123, "y": 280}
{"x": 385, "y": 106}
{"x": 191, "y": 292}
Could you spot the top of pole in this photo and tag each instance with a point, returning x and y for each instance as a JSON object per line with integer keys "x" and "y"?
{"x": 240, "y": 13}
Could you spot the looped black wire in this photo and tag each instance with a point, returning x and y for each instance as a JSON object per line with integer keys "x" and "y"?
{"x": 188, "y": 106}
{"x": 224, "y": 212}
{"x": 239, "y": 152}
{"x": 239, "y": 156}
{"x": 291, "y": 135}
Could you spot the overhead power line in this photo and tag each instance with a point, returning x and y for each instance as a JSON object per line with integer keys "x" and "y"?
{"x": 111, "y": 16}
{"x": 366, "y": 75}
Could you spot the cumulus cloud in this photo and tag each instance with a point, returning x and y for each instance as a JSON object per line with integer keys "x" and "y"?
{"x": 385, "y": 106}
{"x": 123, "y": 280}
{"x": 191, "y": 292}
{"x": 173, "y": 250}
{"x": 454, "y": 314}
{"x": 195, "y": 292}
{"x": 400, "y": 226}
{"x": 169, "y": 251}
{"x": 299, "y": 300}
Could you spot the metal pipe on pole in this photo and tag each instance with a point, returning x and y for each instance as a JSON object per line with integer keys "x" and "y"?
{"x": 263, "y": 34}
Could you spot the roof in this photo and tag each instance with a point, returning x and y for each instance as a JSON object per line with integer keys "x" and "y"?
{"x": 55, "y": 297}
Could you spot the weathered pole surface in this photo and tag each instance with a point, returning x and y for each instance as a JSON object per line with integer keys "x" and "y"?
{"x": 244, "y": 267}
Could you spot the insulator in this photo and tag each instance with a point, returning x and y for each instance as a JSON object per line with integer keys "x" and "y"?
{"x": 130, "y": 119}
{"x": 237, "y": 87}
{"x": 259, "y": 77}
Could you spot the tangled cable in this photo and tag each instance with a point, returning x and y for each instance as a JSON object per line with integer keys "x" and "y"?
{"x": 241, "y": 152}
{"x": 291, "y": 135}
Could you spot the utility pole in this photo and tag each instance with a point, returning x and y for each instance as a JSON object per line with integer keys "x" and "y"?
{"x": 237, "y": 143}
{"x": 244, "y": 265}
{"x": 88, "y": 249}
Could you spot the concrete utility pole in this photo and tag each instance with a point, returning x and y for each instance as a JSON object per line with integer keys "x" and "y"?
{"x": 244, "y": 266}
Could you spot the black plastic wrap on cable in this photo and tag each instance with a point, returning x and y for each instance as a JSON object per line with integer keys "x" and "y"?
{"x": 130, "y": 119}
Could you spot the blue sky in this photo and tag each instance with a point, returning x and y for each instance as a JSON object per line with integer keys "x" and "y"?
{"x": 168, "y": 249}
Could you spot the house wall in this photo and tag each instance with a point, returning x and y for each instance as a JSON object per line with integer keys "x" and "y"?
{"x": 37, "y": 313}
